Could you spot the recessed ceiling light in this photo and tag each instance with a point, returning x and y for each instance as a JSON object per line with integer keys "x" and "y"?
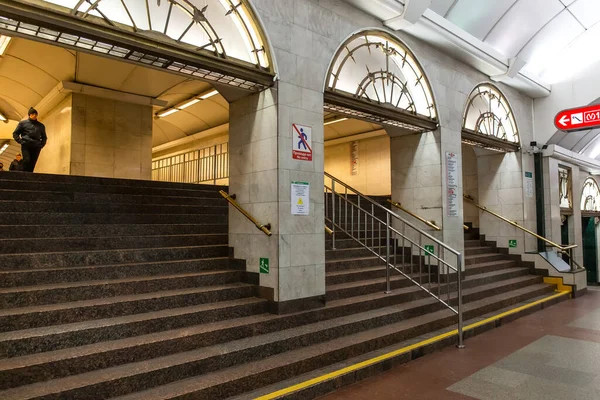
{"x": 335, "y": 121}
{"x": 209, "y": 94}
{"x": 4, "y": 41}
{"x": 167, "y": 112}
{"x": 188, "y": 103}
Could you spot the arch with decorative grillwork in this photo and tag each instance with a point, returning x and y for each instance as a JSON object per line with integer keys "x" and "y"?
{"x": 375, "y": 77}
{"x": 489, "y": 121}
{"x": 590, "y": 196}
{"x": 215, "y": 40}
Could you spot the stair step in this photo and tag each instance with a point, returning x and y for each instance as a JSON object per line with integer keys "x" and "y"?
{"x": 487, "y": 266}
{"x": 36, "y": 218}
{"x": 13, "y": 278}
{"x": 208, "y": 197}
{"x": 77, "y": 291}
{"x": 64, "y": 313}
{"x": 362, "y": 287}
{"x": 103, "y": 208}
{"x": 99, "y": 230}
{"x": 93, "y": 187}
{"x": 36, "y": 245}
{"x": 347, "y": 264}
{"x": 88, "y": 180}
{"x": 263, "y": 370}
{"x": 354, "y": 275}
{"x": 472, "y": 251}
{"x": 481, "y": 258}
{"x": 103, "y": 257}
{"x": 56, "y": 337}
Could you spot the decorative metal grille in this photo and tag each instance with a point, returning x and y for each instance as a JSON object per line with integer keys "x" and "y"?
{"x": 565, "y": 188}
{"x": 374, "y": 67}
{"x": 225, "y": 28}
{"x": 590, "y": 196}
{"x": 488, "y": 113}
{"x": 17, "y": 28}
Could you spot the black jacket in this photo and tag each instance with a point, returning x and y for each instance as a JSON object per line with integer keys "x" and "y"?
{"x": 16, "y": 165}
{"x": 30, "y": 133}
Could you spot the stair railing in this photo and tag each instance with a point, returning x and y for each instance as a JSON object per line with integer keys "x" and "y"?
{"x": 265, "y": 228}
{"x": 399, "y": 206}
{"x": 432, "y": 266}
{"x": 567, "y": 249}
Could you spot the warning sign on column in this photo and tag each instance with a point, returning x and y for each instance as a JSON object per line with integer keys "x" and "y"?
{"x": 300, "y": 198}
{"x": 301, "y": 142}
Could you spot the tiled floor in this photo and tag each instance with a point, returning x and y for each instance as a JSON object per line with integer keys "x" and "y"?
{"x": 552, "y": 354}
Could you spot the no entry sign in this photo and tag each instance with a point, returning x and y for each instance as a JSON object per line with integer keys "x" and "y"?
{"x": 577, "y": 119}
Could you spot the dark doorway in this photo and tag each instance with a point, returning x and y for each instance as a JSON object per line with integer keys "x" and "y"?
{"x": 590, "y": 255}
{"x": 564, "y": 235}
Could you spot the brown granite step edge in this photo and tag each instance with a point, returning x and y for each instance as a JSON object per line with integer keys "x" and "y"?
{"x": 415, "y": 348}
{"x": 247, "y": 377}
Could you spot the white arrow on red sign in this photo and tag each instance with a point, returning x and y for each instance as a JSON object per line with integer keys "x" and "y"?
{"x": 577, "y": 119}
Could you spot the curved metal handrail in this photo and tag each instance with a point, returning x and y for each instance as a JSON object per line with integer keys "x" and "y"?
{"x": 399, "y": 206}
{"x": 265, "y": 228}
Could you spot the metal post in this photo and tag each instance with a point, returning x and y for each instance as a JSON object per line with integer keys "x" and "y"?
{"x": 459, "y": 262}
{"x": 333, "y": 214}
{"x": 387, "y": 256}
{"x": 215, "y": 165}
{"x": 571, "y": 263}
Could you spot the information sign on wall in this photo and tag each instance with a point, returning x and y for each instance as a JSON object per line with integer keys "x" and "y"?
{"x": 528, "y": 184}
{"x": 300, "y": 198}
{"x": 451, "y": 184}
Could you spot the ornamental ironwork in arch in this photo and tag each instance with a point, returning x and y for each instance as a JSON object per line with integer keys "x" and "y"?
{"x": 488, "y": 115}
{"x": 373, "y": 68}
{"x": 226, "y": 28}
{"x": 590, "y": 196}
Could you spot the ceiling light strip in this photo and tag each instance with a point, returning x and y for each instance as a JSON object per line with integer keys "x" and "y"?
{"x": 187, "y": 103}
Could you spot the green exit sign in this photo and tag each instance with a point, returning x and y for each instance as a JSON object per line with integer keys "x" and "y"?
{"x": 264, "y": 265}
{"x": 429, "y": 249}
{"x": 512, "y": 243}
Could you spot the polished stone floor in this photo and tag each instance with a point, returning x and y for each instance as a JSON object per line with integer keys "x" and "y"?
{"x": 552, "y": 354}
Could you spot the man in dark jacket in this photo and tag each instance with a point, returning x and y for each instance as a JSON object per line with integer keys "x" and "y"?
{"x": 31, "y": 134}
{"x": 17, "y": 164}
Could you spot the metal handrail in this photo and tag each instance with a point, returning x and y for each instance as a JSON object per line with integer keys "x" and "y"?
{"x": 568, "y": 249}
{"x": 430, "y": 224}
{"x": 265, "y": 228}
{"x": 364, "y": 221}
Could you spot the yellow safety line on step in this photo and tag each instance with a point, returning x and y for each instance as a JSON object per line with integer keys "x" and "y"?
{"x": 403, "y": 350}
{"x": 558, "y": 281}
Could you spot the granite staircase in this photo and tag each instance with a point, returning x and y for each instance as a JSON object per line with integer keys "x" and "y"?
{"x": 125, "y": 289}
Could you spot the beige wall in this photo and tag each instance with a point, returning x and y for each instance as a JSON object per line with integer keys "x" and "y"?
{"x": 111, "y": 138}
{"x": 470, "y": 184}
{"x": 374, "y": 171}
{"x": 55, "y": 157}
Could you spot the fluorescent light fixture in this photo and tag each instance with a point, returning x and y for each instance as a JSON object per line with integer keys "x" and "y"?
{"x": 187, "y": 104}
{"x": 3, "y": 118}
{"x": 335, "y": 121}
{"x": 4, "y": 41}
{"x": 209, "y": 94}
{"x": 4, "y": 148}
{"x": 167, "y": 112}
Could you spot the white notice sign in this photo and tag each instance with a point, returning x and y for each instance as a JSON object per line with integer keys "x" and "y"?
{"x": 451, "y": 185}
{"x": 300, "y": 198}
{"x": 528, "y": 184}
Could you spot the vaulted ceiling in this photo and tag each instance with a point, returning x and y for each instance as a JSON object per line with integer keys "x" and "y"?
{"x": 29, "y": 70}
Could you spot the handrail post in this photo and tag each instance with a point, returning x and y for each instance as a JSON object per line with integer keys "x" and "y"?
{"x": 333, "y": 214}
{"x": 459, "y": 308}
{"x": 387, "y": 255}
{"x": 215, "y": 165}
{"x": 571, "y": 264}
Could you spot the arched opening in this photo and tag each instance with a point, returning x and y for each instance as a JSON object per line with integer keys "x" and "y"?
{"x": 215, "y": 40}
{"x": 374, "y": 86}
{"x": 488, "y": 121}
{"x": 180, "y": 62}
{"x": 590, "y": 229}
